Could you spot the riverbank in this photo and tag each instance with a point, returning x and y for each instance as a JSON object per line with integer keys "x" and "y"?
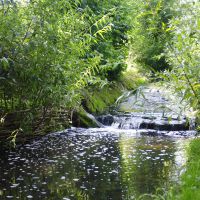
{"x": 23, "y": 125}
{"x": 98, "y": 100}
{"x": 189, "y": 187}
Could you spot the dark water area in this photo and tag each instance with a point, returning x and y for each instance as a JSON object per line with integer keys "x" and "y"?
{"x": 139, "y": 150}
{"x": 92, "y": 164}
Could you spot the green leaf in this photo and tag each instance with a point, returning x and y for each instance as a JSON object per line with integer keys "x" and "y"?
{"x": 5, "y": 63}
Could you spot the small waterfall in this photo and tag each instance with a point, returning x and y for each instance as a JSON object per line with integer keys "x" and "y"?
{"x": 150, "y": 110}
{"x": 129, "y": 122}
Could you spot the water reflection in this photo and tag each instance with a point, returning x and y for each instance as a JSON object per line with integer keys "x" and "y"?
{"x": 76, "y": 167}
{"x": 148, "y": 164}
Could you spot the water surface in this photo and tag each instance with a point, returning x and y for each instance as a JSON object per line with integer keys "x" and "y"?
{"x": 92, "y": 164}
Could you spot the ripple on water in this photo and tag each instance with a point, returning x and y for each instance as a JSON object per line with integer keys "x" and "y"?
{"x": 111, "y": 162}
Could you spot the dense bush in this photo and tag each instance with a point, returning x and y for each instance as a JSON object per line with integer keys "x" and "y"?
{"x": 183, "y": 52}
{"x": 165, "y": 37}
{"x": 50, "y": 50}
{"x": 148, "y": 35}
{"x": 41, "y": 53}
{"x": 112, "y": 46}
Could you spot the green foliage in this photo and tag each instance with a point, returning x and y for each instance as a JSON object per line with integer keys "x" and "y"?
{"x": 165, "y": 36}
{"x": 43, "y": 63}
{"x": 98, "y": 100}
{"x": 183, "y": 53}
{"x": 51, "y": 50}
{"x": 148, "y": 35}
{"x": 112, "y": 46}
{"x": 37, "y": 50}
{"x": 131, "y": 79}
{"x": 81, "y": 118}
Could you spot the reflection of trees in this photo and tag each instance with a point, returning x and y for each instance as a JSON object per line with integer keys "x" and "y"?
{"x": 101, "y": 170}
{"x": 87, "y": 168}
{"x": 78, "y": 168}
{"x": 48, "y": 172}
{"x": 147, "y": 164}
{"x": 95, "y": 165}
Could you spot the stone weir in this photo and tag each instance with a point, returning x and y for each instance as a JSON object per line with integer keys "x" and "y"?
{"x": 151, "y": 110}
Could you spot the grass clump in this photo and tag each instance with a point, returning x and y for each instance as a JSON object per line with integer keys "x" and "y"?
{"x": 98, "y": 100}
{"x": 190, "y": 180}
{"x": 132, "y": 79}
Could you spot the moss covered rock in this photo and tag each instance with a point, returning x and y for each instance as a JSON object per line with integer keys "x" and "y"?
{"x": 98, "y": 100}
{"x": 85, "y": 120}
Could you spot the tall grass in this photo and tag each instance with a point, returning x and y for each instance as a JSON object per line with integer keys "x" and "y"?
{"x": 190, "y": 180}
{"x": 189, "y": 188}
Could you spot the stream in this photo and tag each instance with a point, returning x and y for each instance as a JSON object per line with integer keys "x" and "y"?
{"x": 139, "y": 150}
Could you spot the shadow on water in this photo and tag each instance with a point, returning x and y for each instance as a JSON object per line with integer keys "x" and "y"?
{"x": 76, "y": 166}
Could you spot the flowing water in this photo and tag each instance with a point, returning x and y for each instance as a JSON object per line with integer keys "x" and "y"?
{"x": 137, "y": 153}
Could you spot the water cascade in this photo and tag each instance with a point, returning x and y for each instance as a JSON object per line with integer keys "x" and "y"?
{"x": 149, "y": 111}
